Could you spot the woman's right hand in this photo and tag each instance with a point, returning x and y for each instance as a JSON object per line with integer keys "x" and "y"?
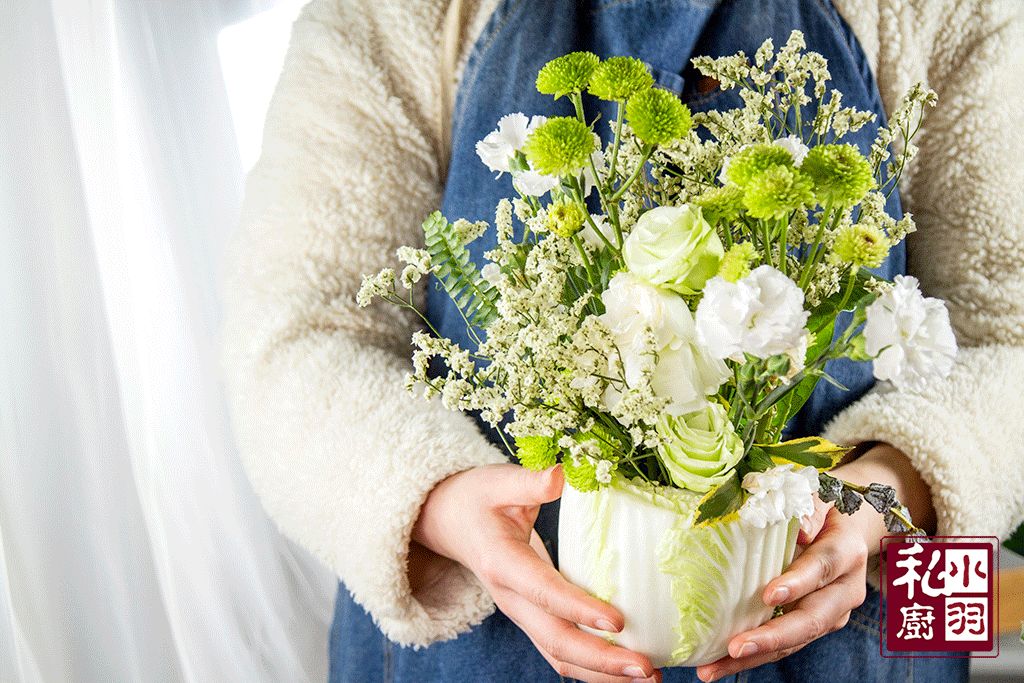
{"x": 483, "y": 519}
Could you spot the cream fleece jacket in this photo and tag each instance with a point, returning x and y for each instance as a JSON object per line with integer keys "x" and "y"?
{"x": 353, "y": 158}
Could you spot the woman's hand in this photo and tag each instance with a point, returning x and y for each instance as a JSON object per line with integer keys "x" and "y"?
{"x": 828, "y": 579}
{"x": 483, "y": 519}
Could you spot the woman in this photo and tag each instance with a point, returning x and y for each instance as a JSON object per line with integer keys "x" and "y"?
{"x": 373, "y": 124}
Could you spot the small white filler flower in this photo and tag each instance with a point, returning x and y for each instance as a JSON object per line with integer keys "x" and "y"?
{"x": 909, "y": 336}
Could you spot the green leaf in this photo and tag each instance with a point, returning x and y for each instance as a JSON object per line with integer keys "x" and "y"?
{"x": 456, "y": 272}
{"x": 720, "y": 502}
{"x": 810, "y": 451}
{"x": 1015, "y": 542}
{"x": 757, "y": 460}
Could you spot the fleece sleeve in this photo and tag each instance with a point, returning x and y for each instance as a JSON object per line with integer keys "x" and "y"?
{"x": 340, "y": 455}
{"x": 965, "y": 433}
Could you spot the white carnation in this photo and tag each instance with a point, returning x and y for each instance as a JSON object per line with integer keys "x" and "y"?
{"x": 779, "y": 494}
{"x": 909, "y": 336}
{"x": 762, "y": 314}
{"x": 795, "y": 146}
{"x": 500, "y": 145}
{"x": 685, "y": 373}
{"x": 533, "y": 183}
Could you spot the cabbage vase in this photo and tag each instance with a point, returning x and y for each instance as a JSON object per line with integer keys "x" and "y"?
{"x": 684, "y": 591}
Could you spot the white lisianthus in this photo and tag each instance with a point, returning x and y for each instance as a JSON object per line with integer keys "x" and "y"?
{"x": 673, "y": 247}
{"x": 909, "y": 336}
{"x": 795, "y": 146}
{"x": 761, "y": 314}
{"x": 780, "y": 493}
{"x": 685, "y": 373}
{"x": 500, "y": 145}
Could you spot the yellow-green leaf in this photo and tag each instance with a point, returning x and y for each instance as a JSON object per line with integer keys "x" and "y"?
{"x": 810, "y": 451}
{"x": 719, "y": 502}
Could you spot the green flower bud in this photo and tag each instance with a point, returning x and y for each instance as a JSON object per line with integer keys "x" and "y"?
{"x": 840, "y": 173}
{"x": 777, "y": 192}
{"x": 673, "y": 247}
{"x": 861, "y": 245}
{"x": 721, "y": 203}
{"x": 565, "y": 217}
{"x": 658, "y": 117}
{"x": 736, "y": 263}
{"x": 754, "y": 160}
{"x": 559, "y": 146}
{"x": 566, "y": 74}
{"x": 537, "y": 452}
{"x": 619, "y": 78}
{"x": 700, "y": 449}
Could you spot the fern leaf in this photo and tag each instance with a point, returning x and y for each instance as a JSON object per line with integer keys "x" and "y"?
{"x": 457, "y": 274}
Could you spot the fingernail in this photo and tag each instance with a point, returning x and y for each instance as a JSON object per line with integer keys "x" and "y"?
{"x": 605, "y": 625}
{"x": 634, "y": 671}
{"x": 748, "y": 648}
{"x": 780, "y": 595}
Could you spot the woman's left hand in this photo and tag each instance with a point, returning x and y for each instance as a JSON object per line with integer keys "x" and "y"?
{"x": 828, "y": 579}
{"x": 818, "y": 591}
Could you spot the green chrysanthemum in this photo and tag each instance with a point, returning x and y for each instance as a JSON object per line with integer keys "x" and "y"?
{"x": 861, "y": 245}
{"x": 582, "y": 476}
{"x": 777, "y": 192}
{"x": 566, "y": 74}
{"x": 755, "y": 159}
{"x": 565, "y": 217}
{"x": 735, "y": 264}
{"x": 841, "y": 174}
{"x": 537, "y": 452}
{"x": 721, "y": 203}
{"x": 658, "y": 117}
{"x": 559, "y": 146}
{"x": 619, "y": 78}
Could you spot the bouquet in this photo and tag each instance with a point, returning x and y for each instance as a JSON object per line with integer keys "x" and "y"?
{"x": 656, "y": 309}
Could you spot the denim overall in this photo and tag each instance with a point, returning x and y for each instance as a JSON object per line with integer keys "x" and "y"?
{"x": 519, "y": 38}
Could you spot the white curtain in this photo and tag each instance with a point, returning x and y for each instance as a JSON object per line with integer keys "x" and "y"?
{"x": 131, "y": 546}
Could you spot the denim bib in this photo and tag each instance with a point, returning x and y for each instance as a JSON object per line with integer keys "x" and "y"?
{"x": 518, "y": 40}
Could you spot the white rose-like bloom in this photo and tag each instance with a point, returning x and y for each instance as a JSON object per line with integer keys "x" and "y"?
{"x": 685, "y": 373}
{"x": 761, "y": 314}
{"x": 500, "y": 145}
{"x": 778, "y": 494}
{"x": 909, "y": 336}
{"x": 795, "y": 146}
{"x": 673, "y": 247}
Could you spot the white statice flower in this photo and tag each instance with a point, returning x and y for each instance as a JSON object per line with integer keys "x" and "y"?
{"x": 603, "y": 471}
{"x": 685, "y": 372}
{"x": 761, "y": 314}
{"x": 795, "y": 146}
{"x": 778, "y": 494}
{"x": 501, "y": 144}
{"x": 909, "y": 336}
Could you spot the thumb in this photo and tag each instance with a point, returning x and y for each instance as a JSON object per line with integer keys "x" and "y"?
{"x": 810, "y": 526}
{"x": 520, "y": 486}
